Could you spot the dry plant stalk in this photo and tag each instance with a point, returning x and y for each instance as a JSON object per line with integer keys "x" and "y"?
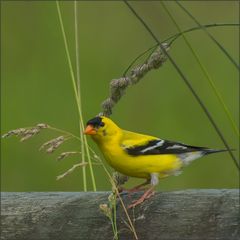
{"x": 71, "y": 170}
{"x": 25, "y": 133}
{"x": 50, "y": 146}
{"x": 117, "y": 90}
{"x": 118, "y": 86}
{"x": 106, "y": 210}
{"x": 66, "y": 154}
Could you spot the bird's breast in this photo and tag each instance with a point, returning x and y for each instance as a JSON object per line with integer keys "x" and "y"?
{"x": 139, "y": 166}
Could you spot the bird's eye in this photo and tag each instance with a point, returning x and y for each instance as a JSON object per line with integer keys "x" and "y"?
{"x": 102, "y": 124}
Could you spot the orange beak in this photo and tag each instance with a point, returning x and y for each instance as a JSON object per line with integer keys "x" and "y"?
{"x": 90, "y": 130}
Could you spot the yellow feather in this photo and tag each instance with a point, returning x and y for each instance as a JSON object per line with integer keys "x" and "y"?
{"x": 112, "y": 140}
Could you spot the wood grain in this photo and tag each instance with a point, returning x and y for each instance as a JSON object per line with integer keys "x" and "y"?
{"x": 191, "y": 214}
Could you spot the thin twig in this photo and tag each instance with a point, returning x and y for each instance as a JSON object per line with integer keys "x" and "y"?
{"x": 71, "y": 170}
{"x": 186, "y": 81}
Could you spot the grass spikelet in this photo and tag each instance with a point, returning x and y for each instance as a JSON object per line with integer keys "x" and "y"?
{"x": 42, "y": 125}
{"x": 25, "y": 133}
{"x": 66, "y": 154}
{"x": 106, "y": 210}
{"x": 15, "y": 132}
{"x": 53, "y": 144}
{"x": 71, "y": 170}
{"x": 29, "y": 133}
{"x": 119, "y": 86}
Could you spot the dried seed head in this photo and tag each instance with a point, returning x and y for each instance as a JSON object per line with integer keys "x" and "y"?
{"x": 112, "y": 199}
{"x": 118, "y": 86}
{"x": 53, "y": 144}
{"x": 16, "y": 132}
{"x": 29, "y": 133}
{"x": 42, "y": 125}
{"x": 158, "y": 57}
{"x": 106, "y": 210}
{"x": 26, "y": 133}
{"x": 66, "y": 154}
{"x": 71, "y": 170}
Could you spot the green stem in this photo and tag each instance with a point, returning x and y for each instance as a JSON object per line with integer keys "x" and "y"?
{"x": 115, "y": 217}
{"x": 79, "y": 95}
{"x": 90, "y": 164}
{"x": 204, "y": 70}
{"x": 132, "y": 228}
{"x": 108, "y": 174}
{"x": 113, "y": 227}
{"x": 76, "y": 96}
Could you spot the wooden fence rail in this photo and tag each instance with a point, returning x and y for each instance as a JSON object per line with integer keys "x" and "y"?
{"x": 191, "y": 214}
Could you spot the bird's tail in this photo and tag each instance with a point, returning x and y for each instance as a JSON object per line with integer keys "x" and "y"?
{"x": 209, "y": 151}
{"x": 189, "y": 157}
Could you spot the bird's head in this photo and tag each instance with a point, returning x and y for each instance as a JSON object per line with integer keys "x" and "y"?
{"x": 101, "y": 127}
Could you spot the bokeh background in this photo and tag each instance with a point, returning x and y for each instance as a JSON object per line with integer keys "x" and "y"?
{"x": 36, "y": 86}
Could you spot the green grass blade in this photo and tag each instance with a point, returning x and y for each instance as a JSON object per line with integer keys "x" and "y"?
{"x": 205, "y": 72}
{"x": 209, "y": 35}
{"x": 174, "y": 37}
{"x": 187, "y": 82}
{"x": 79, "y": 93}
{"x": 76, "y": 94}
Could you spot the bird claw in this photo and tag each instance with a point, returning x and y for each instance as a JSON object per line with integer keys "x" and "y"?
{"x": 149, "y": 193}
{"x": 129, "y": 192}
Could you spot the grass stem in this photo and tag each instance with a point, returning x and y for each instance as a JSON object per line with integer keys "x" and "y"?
{"x": 78, "y": 99}
{"x": 174, "y": 37}
{"x": 205, "y": 72}
{"x": 209, "y": 35}
{"x": 79, "y": 93}
{"x": 187, "y": 82}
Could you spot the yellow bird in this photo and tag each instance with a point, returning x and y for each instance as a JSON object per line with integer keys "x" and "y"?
{"x": 141, "y": 156}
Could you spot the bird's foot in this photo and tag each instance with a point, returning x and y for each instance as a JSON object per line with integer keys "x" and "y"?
{"x": 135, "y": 189}
{"x": 140, "y": 187}
{"x": 149, "y": 193}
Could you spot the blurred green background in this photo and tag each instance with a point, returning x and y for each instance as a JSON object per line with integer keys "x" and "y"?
{"x": 36, "y": 86}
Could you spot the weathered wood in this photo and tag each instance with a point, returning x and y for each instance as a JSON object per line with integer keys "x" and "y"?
{"x": 192, "y": 214}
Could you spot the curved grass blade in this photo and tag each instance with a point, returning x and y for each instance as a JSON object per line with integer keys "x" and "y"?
{"x": 205, "y": 72}
{"x": 186, "y": 81}
{"x": 209, "y": 35}
{"x": 174, "y": 37}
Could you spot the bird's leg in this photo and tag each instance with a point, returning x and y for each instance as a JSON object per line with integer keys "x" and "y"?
{"x": 138, "y": 187}
{"x": 148, "y": 193}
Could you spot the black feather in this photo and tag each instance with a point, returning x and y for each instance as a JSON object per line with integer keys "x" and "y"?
{"x": 166, "y": 147}
{"x": 96, "y": 122}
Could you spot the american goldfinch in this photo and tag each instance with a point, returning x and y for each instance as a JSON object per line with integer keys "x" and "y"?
{"x": 141, "y": 156}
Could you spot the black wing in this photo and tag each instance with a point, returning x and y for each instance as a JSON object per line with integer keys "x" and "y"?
{"x": 159, "y": 146}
